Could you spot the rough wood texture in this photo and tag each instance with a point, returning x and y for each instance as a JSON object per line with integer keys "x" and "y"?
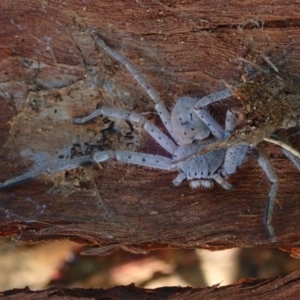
{"x": 280, "y": 288}
{"x": 51, "y": 72}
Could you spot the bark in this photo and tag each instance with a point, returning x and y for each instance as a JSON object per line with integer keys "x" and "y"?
{"x": 280, "y": 288}
{"x": 51, "y": 71}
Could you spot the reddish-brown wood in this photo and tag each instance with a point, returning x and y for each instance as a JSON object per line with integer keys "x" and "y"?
{"x": 48, "y": 47}
{"x": 48, "y": 64}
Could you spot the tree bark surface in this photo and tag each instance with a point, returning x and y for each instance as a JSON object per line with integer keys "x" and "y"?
{"x": 51, "y": 71}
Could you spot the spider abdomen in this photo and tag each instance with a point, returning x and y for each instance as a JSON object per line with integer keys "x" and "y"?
{"x": 203, "y": 166}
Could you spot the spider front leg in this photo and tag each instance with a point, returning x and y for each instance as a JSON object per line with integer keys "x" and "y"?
{"x": 155, "y": 132}
{"x": 207, "y": 119}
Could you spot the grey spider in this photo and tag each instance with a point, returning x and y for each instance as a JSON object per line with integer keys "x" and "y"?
{"x": 189, "y": 126}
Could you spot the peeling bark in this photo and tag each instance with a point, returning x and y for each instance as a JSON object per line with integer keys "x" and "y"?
{"x": 286, "y": 287}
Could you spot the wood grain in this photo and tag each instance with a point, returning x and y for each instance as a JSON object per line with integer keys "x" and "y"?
{"x": 51, "y": 72}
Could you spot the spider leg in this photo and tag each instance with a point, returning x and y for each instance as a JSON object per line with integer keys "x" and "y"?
{"x": 222, "y": 182}
{"x": 179, "y": 179}
{"x": 234, "y": 157}
{"x": 292, "y": 157}
{"x": 287, "y": 149}
{"x": 214, "y": 97}
{"x": 50, "y": 167}
{"x": 155, "y": 132}
{"x": 159, "y": 105}
{"x": 272, "y": 176}
{"x": 140, "y": 159}
{"x": 230, "y": 121}
{"x": 20, "y": 178}
{"x": 206, "y": 117}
